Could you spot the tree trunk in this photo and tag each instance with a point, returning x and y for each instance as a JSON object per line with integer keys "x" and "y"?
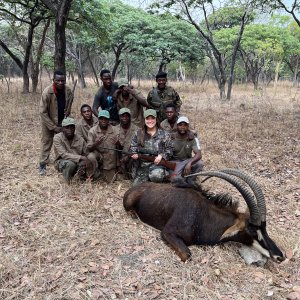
{"x": 93, "y": 69}
{"x": 61, "y": 18}
{"x": 117, "y": 50}
{"x": 35, "y": 70}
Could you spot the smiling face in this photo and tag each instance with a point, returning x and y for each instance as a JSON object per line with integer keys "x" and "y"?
{"x": 161, "y": 83}
{"x": 150, "y": 122}
{"x": 182, "y": 128}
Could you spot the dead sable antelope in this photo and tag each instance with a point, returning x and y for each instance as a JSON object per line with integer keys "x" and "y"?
{"x": 189, "y": 216}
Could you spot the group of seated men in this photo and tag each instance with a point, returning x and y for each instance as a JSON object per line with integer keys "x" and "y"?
{"x": 101, "y": 144}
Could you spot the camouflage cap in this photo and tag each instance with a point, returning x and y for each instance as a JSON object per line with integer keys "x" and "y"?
{"x": 124, "y": 110}
{"x": 104, "y": 114}
{"x": 67, "y": 122}
{"x": 123, "y": 82}
{"x": 150, "y": 112}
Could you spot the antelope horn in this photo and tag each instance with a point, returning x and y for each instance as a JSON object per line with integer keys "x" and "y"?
{"x": 248, "y": 197}
{"x": 261, "y": 203}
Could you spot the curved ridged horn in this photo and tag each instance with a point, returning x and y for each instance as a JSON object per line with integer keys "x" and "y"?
{"x": 261, "y": 203}
{"x": 251, "y": 202}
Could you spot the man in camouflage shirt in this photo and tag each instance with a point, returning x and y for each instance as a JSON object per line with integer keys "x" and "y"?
{"x": 162, "y": 95}
{"x": 103, "y": 135}
{"x": 185, "y": 143}
{"x": 87, "y": 121}
{"x": 70, "y": 152}
{"x": 157, "y": 143}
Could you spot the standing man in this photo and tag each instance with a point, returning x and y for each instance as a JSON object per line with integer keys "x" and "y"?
{"x": 126, "y": 130}
{"x": 87, "y": 121}
{"x": 104, "y": 97}
{"x": 162, "y": 95}
{"x": 103, "y": 135}
{"x": 54, "y": 101}
{"x": 70, "y": 151}
{"x": 127, "y": 96}
{"x": 185, "y": 143}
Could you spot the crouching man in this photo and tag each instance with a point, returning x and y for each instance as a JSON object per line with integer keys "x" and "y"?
{"x": 185, "y": 143}
{"x": 70, "y": 152}
{"x": 102, "y": 140}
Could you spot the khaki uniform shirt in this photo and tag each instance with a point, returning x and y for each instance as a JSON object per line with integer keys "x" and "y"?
{"x": 165, "y": 125}
{"x": 125, "y": 136}
{"x": 158, "y": 99}
{"x": 135, "y": 106}
{"x": 82, "y": 127}
{"x": 70, "y": 150}
{"x": 183, "y": 148}
{"x": 110, "y": 135}
{"x": 48, "y": 106}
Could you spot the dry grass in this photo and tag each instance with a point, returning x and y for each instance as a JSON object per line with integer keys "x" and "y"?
{"x": 76, "y": 242}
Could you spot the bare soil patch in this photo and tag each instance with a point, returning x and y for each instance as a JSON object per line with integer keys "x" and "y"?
{"x": 75, "y": 241}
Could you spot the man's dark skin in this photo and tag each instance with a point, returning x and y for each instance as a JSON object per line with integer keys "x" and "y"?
{"x": 161, "y": 83}
{"x": 171, "y": 114}
{"x": 125, "y": 120}
{"x": 182, "y": 129}
{"x": 107, "y": 83}
{"x": 86, "y": 113}
{"x": 60, "y": 82}
{"x": 126, "y": 91}
{"x": 103, "y": 124}
{"x": 69, "y": 133}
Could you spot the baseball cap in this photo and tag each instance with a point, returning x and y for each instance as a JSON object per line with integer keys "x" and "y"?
{"x": 122, "y": 82}
{"x": 124, "y": 110}
{"x": 183, "y": 119}
{"x": 68, "y": 121}
{"x": 150, "y": 112}
{"x": 104, "y": 113}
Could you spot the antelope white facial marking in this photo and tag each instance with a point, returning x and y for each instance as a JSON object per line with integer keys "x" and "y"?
{"x": 260, "y": 249}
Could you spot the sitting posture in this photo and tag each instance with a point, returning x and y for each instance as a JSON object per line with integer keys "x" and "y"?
{"x": 101, "y": 137}
{"x": 156, "y": 142}
{"x": 87, "y": 121}
{"x": 126, "y": 130}
{"x": 70, "y": 151}
{"x": 188, "y": 216}
{"x": 185, "y": 143}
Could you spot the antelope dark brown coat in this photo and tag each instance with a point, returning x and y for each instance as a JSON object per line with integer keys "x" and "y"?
{"x": 186, "y": 216}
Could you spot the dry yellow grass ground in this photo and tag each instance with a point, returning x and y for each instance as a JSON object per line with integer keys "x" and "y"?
{"x": 76, "y": 242}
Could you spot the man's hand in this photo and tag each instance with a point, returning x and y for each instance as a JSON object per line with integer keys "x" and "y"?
{"x": 135, "y": 156}
{"x": 187, "y": 169}
{"x": 158, "y": 159}
{"x": 57, "y": 129}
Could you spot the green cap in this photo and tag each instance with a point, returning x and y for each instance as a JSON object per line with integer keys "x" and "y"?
{"x": 124, "y": 110}
{"x": 104, "y": 114}
{"x": 150, "y": 112}
{"x": 123, "y": 82}
{"x": 67, "y": 122}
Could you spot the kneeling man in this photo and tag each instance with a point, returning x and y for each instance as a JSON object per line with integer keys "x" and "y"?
{"x": 185, "y": 143}
{"x": 70, "y": 151}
